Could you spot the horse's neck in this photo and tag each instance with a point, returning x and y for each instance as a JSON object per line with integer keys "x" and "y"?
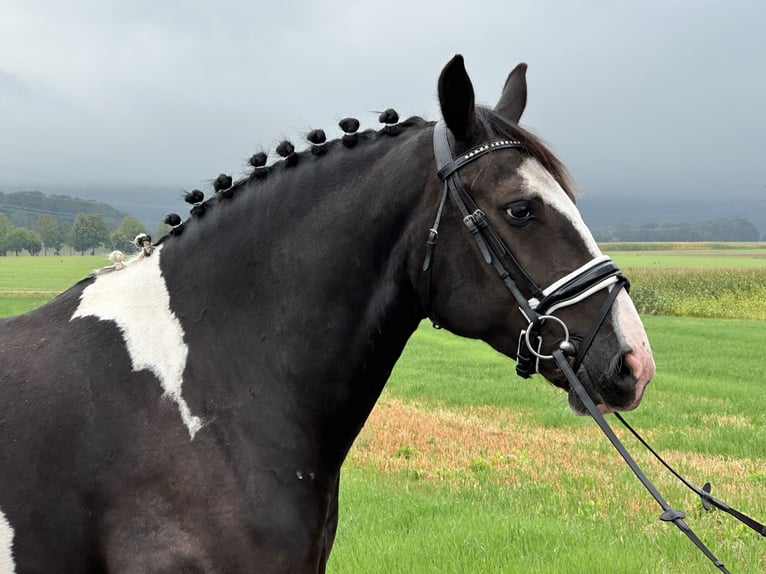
{"x": 306, "y": 285}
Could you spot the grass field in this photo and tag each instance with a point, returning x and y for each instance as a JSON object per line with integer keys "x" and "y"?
{"x": 28, "y": 282}
{"x": 462, "y": 467}
{"x": 720, "y": 282}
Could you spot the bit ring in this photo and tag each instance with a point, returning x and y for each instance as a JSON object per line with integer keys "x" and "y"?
{"x": 542, "y": 319}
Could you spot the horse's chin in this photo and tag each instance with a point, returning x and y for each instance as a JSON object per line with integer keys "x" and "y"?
{"x": 578, "y": 408}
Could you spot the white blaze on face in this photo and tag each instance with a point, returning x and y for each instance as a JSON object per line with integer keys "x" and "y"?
{"x": 7, "y": 565}
{"x": 137, "y": 300}
{"x": 624, "y": 315}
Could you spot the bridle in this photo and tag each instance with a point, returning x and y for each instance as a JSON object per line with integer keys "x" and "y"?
{"x": 596, "y": 275}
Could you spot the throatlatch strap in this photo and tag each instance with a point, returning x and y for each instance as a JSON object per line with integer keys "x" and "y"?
{"x": 433, "y": 239}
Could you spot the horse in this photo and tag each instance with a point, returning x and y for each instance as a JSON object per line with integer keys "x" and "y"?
{"x": 190, "y": 410}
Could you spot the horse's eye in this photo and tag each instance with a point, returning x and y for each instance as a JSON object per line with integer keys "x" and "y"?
{"x": 519, "y": 211}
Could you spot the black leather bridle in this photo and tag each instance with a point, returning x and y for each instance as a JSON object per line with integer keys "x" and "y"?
{"x": 598, "y": 274}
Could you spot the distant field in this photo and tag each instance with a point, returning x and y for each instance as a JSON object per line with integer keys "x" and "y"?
{"x": 718, "y": 258}
{"x": 687, "y": 255}
{"x": 52, "y": 274}
{"x": 28, "y": 282}
{"x": 683, "y": 246}
{"x": 696, "y": 280}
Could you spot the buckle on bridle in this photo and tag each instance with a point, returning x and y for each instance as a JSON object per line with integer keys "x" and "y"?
{"x": 527, "y": 362}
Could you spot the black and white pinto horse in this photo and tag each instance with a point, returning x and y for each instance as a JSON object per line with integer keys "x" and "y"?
{"x": 191, "y": 412}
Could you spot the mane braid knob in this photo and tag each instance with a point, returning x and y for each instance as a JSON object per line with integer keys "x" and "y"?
{"x": 258, "y": 161}
{"x": 287, "y": 150}
{"x": 391, "y": 119}
{"x": 349, "y": 127}
{"x": 317, "y": 139}
{"x": 222, "y": 185}
{"x": 194, "y": 196}
{"x": 174, "y": 220}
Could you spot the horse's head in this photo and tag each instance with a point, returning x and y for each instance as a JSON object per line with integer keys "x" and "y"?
{"x": 554, "y": 265}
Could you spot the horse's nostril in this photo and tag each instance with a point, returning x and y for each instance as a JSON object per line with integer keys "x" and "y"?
{"x": 620, "y": 368}
{"x": 632, "y": 365}
{"x": 624, "y": 368}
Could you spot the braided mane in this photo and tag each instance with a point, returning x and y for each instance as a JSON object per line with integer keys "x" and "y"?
{"x": 225, "y": 187}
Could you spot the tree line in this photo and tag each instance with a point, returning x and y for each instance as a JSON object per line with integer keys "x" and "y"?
{"x": 737, "y": 229}
{"x": 87, "y": 232}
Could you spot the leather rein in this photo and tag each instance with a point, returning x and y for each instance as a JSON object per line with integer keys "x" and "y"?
{"x": 598, "y": 274}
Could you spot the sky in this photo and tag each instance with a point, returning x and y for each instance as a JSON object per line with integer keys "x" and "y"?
{"x": 655, "y": 97}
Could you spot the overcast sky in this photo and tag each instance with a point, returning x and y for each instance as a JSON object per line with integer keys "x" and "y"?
{"x": 652, "y": 96}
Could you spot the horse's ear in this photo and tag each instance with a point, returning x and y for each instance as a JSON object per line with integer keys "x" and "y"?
{"x": 514, "y": 97}
{"x": 456, "y": 99}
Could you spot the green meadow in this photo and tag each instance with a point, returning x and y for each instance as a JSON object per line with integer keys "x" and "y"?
{"x": 28, "y": 282}
{"x": 464, "y": 468}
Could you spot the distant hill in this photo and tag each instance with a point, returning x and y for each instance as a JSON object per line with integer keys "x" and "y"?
{"x": 150, "y": 204}
{"x": 24, "y": 207}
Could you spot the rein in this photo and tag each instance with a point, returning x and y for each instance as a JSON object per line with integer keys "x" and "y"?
{"x": 599, "y": 273}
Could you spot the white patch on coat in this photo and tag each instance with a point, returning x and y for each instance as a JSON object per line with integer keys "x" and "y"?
{"x": 137, "y": 300}
{"x": 7, "y": 565}
{"x": 538, "y": 180}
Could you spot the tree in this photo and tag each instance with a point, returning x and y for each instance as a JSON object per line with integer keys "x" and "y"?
{"x": 5, "y": 228}
{"x": 88, "y": 232}
{"x": 53, "y": 233}
{"x": 63, "y": 232}
{"x": 126, "y": 232}
{"x": 34, "y": 243}
{"x": 17, "y": 240}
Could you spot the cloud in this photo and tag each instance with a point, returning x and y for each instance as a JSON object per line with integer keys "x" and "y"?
{"x": 176, "y": 92}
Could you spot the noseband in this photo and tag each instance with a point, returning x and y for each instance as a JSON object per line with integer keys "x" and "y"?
{"x": 597, "y": 274}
